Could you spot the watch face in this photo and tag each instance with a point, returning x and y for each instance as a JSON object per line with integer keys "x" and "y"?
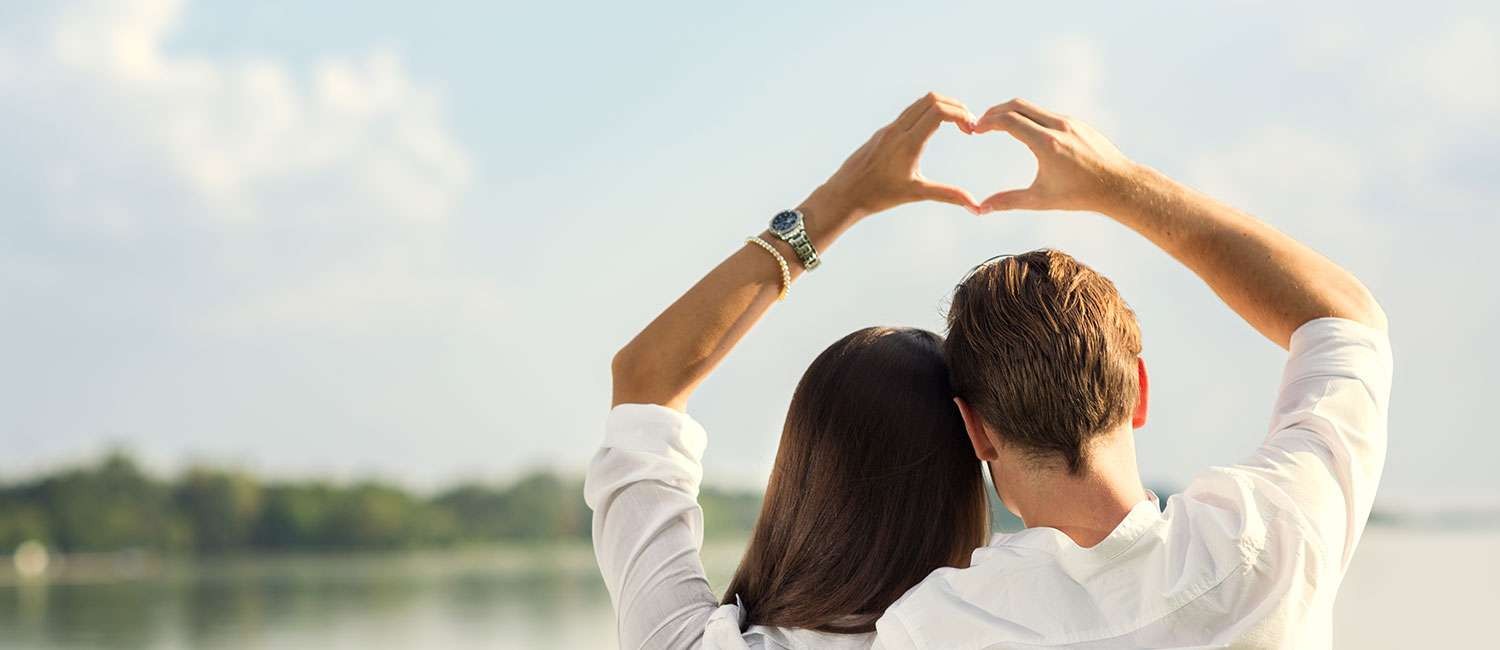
{"x": 784, "y": 222}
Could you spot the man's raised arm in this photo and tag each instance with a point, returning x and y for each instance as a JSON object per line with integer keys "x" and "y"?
{"x": 1326, "y": 448}
{"x": 1271, "y": 280}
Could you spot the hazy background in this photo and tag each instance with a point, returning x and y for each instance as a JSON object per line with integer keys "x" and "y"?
{"x": 353, "y": 240}
{"x": 394, "y": 239}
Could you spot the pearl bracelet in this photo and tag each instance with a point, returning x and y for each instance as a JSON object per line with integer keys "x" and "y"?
{"x": 786, "y": 273}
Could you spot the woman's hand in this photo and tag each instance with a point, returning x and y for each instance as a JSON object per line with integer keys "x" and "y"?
{"x": 883, "y": 173}
{"x": 667, "y": 360}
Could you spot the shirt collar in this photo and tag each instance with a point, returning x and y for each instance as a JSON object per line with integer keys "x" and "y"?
{"x": 1142, "y": 517}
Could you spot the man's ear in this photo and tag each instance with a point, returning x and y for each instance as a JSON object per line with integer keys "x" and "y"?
{"x": 978, "y": 437}
{"x": 1138, "y": 419}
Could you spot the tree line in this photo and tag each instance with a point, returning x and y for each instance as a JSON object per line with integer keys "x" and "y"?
{"x": 113, "y": 504}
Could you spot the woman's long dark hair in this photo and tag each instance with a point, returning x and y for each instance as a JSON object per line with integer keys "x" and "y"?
{"x": 875, "y": 485}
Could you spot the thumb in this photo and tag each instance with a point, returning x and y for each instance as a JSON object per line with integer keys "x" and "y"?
{"x": 947, "y": 194}
{"x": 1010, "y": 200}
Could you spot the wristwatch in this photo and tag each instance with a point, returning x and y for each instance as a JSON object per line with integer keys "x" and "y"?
{"x": 787, "y": 226}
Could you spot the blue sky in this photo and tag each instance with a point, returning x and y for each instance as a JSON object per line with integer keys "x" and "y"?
{"x": 379, "y": 238}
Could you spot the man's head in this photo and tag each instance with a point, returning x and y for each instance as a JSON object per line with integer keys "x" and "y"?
{"x": 1045, "y": 352}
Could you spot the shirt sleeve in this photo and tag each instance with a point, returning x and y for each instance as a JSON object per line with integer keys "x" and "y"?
{"x": 648, "y": 528}
{"x": 890, "y": 632}
{"x": 1326, "y": 447}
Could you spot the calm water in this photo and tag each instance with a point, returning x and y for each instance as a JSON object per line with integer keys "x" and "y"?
{"x": 1406, "y": 589}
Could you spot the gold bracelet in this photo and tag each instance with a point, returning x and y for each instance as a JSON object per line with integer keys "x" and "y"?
{"x": 786, "y": 274}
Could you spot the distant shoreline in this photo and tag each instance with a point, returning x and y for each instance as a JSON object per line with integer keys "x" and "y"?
{"x": 553, "y": 558}
{"x": 112, "y": 518}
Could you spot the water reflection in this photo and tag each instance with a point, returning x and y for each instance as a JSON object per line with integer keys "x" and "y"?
{"x": 551, "y": 597}
{"x": 531, "y": 598}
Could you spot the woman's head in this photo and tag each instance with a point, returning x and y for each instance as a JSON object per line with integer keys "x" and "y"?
{"x": 875, "y": 485}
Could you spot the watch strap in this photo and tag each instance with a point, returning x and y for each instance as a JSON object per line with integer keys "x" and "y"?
{"x": 804, "y": 249}
{"x": 796, "y": 237}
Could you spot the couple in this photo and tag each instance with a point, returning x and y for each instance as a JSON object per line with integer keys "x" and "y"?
{"x": 874, "y": 531}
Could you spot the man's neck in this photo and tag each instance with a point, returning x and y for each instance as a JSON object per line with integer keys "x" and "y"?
{"x": 1085, "y": 507}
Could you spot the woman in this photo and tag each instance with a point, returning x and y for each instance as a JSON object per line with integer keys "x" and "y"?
{"x": 874, "y": 486}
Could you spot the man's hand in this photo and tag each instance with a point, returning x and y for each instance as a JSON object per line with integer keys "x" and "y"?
{"x": 883, "y": 173}
{"x": 1272, "y": 281}
{"x": 1077, "y": 167}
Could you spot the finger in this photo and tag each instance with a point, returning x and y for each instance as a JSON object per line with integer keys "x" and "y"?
{"x": 910, "y": 116}
{"x": 936, "y": 114}
{"x": 946, "y": 193}
{"x": 1033, "y": 112}
{"x": 1011, "y": 200}
{"x": 949, "y": 105}
{"x": 1019, "y": 126}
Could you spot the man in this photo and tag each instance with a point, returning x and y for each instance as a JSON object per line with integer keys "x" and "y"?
{"x": 1045, "y": 360}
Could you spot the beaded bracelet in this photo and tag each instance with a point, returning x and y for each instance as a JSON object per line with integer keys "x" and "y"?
{"x": 786, "y": 274}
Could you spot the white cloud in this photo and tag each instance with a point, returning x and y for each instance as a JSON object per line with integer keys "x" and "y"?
{"x": 234, "y": 131}
{"x": 259, "y": 174}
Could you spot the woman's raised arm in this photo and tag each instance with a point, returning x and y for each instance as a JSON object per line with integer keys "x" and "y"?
{"x": 677, "y": 351}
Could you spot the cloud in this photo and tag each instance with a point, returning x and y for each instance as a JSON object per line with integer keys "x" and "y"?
{"x": 328, "y": 186}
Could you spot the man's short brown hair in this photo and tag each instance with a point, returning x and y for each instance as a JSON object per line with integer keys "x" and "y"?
{"x": 1044, "y": 349}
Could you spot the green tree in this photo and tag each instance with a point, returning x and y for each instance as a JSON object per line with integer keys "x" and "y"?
{"x": 541, "y": 505}
{"x": 222, "y": 508}
{"x": 728, "y": 513}
{"x": 112, "y": 505}
{"x": 20, "y": 521}
{"x": 477, "y": 508}
{"x": 294, "y": 515}
{"x": 371, "y": 515}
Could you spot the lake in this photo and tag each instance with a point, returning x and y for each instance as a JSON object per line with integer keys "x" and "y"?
{"x": 1406, "y": 589}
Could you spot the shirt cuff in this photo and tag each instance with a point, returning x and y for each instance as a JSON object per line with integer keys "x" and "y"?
{"x": 655, "y": 429}
{"x": 1338, "y": 347}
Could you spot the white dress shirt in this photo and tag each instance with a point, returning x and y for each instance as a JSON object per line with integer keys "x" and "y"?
{"x": 1247, "y": 556}
{"x": 648, "y": 533}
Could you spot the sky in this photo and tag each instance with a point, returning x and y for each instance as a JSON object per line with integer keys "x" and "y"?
{"x": 403, "y": 240}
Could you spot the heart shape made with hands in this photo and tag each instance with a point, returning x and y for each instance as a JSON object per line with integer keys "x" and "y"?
{"x": 951, "y": 157}
{"x": 1075, "y": 165}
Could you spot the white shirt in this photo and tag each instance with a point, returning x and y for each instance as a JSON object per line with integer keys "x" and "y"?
{"x": 648, "y": 533}
{"x": 1248, "y": 556}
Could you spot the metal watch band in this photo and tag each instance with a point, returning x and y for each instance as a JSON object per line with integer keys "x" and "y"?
{"x": 803, "y": 247}
{"x": 788, "y": 226}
